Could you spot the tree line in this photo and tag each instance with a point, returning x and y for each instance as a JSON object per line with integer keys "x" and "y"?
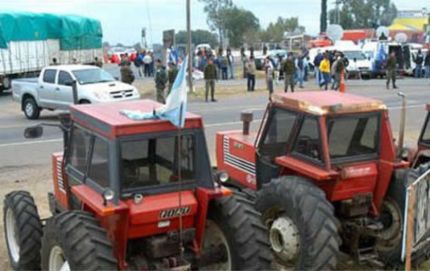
{"x": 239, "y": 25}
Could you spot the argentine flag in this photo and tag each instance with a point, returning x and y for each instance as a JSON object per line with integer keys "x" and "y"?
{"x": 176, "y": 103}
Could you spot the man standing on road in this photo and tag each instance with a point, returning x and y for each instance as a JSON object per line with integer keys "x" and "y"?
{"x": 160, "y": 81}
{"x": 210, "y": 75}
{"x": 317, "y": 61}
{"x": 268, "y": 67}
{"x": 147, "y": 60}
{"x": 337, "y": 69}
{"x": 419, "y": 59}
{"x": 250, "y": 67}
{"x": 427, "y": 64}
{"x": 391, "y": 70}
{"x": 230, "y": 60}
{"x": 127, "y": 75}
{"x": 300, "y": 70}
{"x": 325, "y": 71}
{"x": 289, "y": 69}
{"x": 172, "y": 73}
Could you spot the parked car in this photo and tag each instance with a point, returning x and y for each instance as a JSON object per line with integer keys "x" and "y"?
{"x": 53, "y": 89}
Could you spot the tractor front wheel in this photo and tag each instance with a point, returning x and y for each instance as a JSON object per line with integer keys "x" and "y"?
{"x": 235, "y": 236}
{"x": 23, "y": 231}
{"x": 73, "y": 240}
{"x": 303, "y": 230}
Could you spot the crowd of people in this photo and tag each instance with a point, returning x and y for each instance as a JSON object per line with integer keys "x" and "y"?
{"x": 329, "y": 69}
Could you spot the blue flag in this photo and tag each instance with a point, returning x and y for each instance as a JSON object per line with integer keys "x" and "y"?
{"x": 176, "y": 103}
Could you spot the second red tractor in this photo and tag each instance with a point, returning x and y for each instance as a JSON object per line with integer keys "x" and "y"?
{"x": 329, "y": 177}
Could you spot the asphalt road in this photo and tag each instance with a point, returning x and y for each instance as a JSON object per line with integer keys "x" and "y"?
{"x": 16, "y": 151}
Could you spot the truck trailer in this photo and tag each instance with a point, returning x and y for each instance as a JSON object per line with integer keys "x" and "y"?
{"x": 31, "y": 41}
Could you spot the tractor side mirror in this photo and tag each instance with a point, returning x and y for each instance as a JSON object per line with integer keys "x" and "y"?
{"x": 33, "y": 132}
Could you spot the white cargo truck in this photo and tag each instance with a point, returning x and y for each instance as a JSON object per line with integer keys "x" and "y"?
{"x": 30, "y": 41}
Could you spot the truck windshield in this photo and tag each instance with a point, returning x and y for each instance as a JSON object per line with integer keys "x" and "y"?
{"x": 354, "y": 55}
{"x": 353, "y": 137}
{"x": 154, "y": 161}
{"x": 92, "y": 76}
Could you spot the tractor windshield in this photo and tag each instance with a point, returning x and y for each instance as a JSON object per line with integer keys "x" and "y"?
{"x": 154, "y": 161}
{"x": 353, "y": 138}
{"x": 425, "y": 138}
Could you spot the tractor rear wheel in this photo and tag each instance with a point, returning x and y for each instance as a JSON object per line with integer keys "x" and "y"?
{"x": 303, "y": 230}
{"x": 234, "y": 230}
{"x": 23, "y": 231}
{"x": 389, "y": 241}
{"x": 73, "y": 240}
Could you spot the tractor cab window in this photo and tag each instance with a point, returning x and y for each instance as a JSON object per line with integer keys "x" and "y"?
{"x": 80, "y": 143}
{"x": 426, "y": 133}
{"x": 275, "y": 138}
{"x": 154, "y": 161}
{"x": 308, "y": 142}
{"x": 99, "y": 166}
{"x": 353, "y": 138}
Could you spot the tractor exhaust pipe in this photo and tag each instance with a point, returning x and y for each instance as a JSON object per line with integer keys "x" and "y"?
{"x": 246, "y": 117}
{"x": 75, "y": 92}
{"x": 402, "y": 124}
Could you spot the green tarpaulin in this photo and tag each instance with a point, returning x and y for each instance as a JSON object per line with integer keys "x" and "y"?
{"x": 74, "y": 32}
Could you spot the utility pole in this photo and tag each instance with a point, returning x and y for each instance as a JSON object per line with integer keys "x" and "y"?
{"x": 189, "y": 49}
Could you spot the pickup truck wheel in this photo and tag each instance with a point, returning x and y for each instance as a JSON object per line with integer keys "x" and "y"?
{"x": 31, "y": 110}
{"x": 84, "y": 102}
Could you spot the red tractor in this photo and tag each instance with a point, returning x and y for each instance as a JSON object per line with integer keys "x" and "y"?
{"x": 123, "y": 200}
{"x": 329, "y": 178}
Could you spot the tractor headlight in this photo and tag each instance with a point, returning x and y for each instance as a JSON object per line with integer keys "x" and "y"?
{"x": 223, "y": 177}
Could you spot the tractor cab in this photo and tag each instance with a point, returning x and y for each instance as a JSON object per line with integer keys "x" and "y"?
{"x": 136, "y": 195}
{"x": 339, "y": 140}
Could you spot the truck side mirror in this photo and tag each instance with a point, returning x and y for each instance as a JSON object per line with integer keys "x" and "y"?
{"x": 33, "y": 132}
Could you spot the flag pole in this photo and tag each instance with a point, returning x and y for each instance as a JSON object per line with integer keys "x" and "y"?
{"x": 181, "y": 242}
{"x": 190, "y": 63}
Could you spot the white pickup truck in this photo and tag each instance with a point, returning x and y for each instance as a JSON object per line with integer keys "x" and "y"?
{"x": 53, "y": 89}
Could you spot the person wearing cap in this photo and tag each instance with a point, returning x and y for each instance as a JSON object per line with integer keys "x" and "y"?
{"x": 289, "y": 69}
{"x": 210, "y": 75}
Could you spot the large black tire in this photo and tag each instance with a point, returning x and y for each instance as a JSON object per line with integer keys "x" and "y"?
{"x": 389, "y": 244}
{"x": 242, "y": 229}
{"x": 20, "y": 209}
{"x": 31, "y": 109}
{"x": 82, "y": 242}
{"x": 295, "y": 205}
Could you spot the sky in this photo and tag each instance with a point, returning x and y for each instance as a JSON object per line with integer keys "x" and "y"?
{"x": 122, "y": 20}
